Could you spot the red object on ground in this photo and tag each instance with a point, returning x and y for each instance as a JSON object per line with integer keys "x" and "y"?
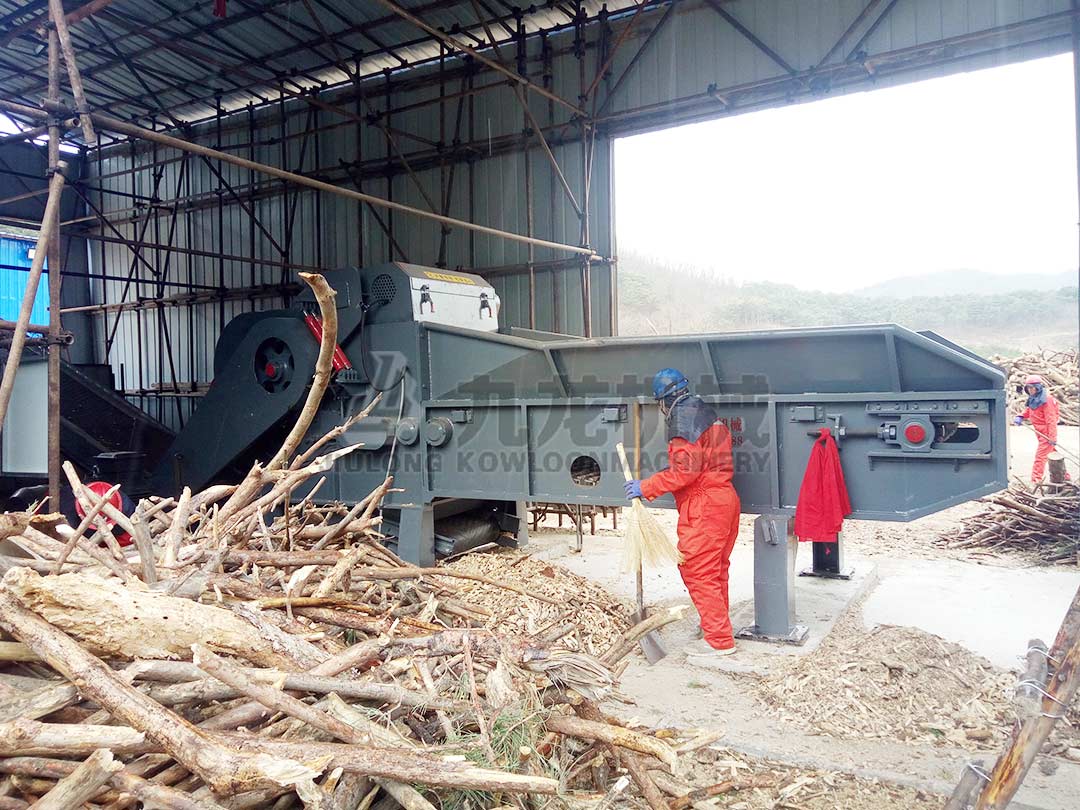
{"x": 1045, "y": 420}
{"x": 823, "y": 498}
{"x": 314, "y": 324}
{"x": 699, "y": 476}
{"x": 99, "y": 488}
{"x": 219, "y": 9}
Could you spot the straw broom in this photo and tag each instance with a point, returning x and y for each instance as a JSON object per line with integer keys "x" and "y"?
{"x": 646, "y": 540}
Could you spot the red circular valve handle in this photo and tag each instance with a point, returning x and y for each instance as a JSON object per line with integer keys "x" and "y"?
{"x": 270, "y": 369}
{"x": 916, "y": 434}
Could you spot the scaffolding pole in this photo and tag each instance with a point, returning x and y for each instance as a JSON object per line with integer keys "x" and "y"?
{"x": 53, "y": 224}
{"x": 21, "y": 327}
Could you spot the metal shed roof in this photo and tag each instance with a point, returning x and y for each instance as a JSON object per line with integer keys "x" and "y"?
{"x": 139, "y": 58}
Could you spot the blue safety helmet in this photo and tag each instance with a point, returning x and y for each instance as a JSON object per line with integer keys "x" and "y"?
{"x": 668, "y": 381}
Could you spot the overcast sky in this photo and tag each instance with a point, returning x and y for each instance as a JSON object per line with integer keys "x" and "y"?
{"x": 972, "y": 171}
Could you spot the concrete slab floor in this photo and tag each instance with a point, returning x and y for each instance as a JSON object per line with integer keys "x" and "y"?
{"x": 991, "y": 611}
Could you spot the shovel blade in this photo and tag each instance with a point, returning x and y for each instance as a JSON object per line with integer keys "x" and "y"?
{"x": 651, "y": 646}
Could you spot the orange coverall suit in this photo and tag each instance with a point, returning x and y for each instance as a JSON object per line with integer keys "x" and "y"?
{"x": 699, "y": 476}
{"x": 1045, "y": 420}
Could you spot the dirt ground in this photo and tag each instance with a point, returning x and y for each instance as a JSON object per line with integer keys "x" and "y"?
{"x": 754, "y": 784}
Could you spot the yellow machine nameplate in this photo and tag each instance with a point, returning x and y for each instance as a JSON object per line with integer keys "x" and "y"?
{"x": 449, "y": 277}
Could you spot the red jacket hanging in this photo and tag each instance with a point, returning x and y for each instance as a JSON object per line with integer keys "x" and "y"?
{"x": 823, "y": 499}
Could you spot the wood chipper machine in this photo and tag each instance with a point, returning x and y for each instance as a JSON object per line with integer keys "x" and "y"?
{"x": 475, "y": 420}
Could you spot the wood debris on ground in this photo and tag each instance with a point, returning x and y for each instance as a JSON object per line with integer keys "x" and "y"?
{"x": 1042, "y": 526}
{"x": 903, "y": 684}
{"x": 572, "y": 611}
{"x": 735, "y": 781}
{"x": 1060, "y": 370}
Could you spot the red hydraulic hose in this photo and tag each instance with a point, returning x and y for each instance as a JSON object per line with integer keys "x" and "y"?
{"x": 314, "y": 324}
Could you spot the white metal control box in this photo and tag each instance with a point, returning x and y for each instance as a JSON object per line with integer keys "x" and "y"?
{"x": 452, "y": 298}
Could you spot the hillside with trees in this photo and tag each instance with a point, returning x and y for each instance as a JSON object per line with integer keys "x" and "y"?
{"x": 658, "y": 299}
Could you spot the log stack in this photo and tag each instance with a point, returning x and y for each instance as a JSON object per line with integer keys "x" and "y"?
{"x": 1042, "y": 525}
{"x": 229, "y": 658}
{"x": 1060, "y": 370}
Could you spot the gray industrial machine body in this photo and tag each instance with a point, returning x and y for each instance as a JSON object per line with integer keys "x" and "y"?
{"x": 489, "y": 420}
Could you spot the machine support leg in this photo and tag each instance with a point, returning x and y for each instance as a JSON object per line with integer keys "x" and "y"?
{"x": 774, "y": 583}
{"x": 828, "y": 561}
{"x": 416, "y": 534}
{"x": 521, "y": 531}
{"x": 513, "y": 519}
{"x": 578, "y": 537}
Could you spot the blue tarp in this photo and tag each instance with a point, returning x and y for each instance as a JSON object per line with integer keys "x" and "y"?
{"x": 15, "y": 254}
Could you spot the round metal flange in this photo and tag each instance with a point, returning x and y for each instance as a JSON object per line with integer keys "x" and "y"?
{"x": 408, "y": 431}
{"x": 273, "y": 365}
{"x": 438, "y": 431}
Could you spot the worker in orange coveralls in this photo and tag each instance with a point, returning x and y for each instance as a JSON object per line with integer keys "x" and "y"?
{"x": 1042, "y": 411}
{"x": 699, "y": 476}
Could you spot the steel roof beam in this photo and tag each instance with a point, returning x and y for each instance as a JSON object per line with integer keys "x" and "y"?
{"x": 870, "y": 31}
{"x": 457, "y": 45}
{"x": 753, "y": 38}
{"x": 861, "y": 17}
{"x": 637, "y": 56}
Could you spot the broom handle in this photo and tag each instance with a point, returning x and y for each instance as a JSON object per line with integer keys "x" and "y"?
{"x": 625, "y": 464}
{"x": 639, "y": 580}
{"x": 637, "y": 439}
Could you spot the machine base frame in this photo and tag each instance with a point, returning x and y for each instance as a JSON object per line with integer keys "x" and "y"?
{"x": 796, "y": 636}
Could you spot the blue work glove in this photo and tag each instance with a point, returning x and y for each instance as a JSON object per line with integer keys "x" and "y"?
{"x": 633, "y": 490}
{"x": 1018, "y": 420}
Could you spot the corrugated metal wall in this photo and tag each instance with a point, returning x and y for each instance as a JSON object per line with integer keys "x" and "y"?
{"x": 697, "y": 64}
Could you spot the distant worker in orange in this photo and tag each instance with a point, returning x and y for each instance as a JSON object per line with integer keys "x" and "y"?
{"x": 1042, "y": 412}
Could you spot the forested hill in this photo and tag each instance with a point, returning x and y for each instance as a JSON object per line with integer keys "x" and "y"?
{"x": 657, "y": 299}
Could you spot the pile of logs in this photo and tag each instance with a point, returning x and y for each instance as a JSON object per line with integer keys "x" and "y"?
{"x": 1061, "y": 372}
{"x": 227, "y": 659}
{"x": 251, "y": 648}
{"x": 1045, "y": 526}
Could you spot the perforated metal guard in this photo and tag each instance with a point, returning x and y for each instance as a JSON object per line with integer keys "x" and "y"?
{"x": 383, "y": 289}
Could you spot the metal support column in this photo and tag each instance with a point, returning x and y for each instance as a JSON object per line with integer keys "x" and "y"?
{"x": 828, "y": 561}
{"x": 416, "y": 534}
{"x": 774, "y": 583}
